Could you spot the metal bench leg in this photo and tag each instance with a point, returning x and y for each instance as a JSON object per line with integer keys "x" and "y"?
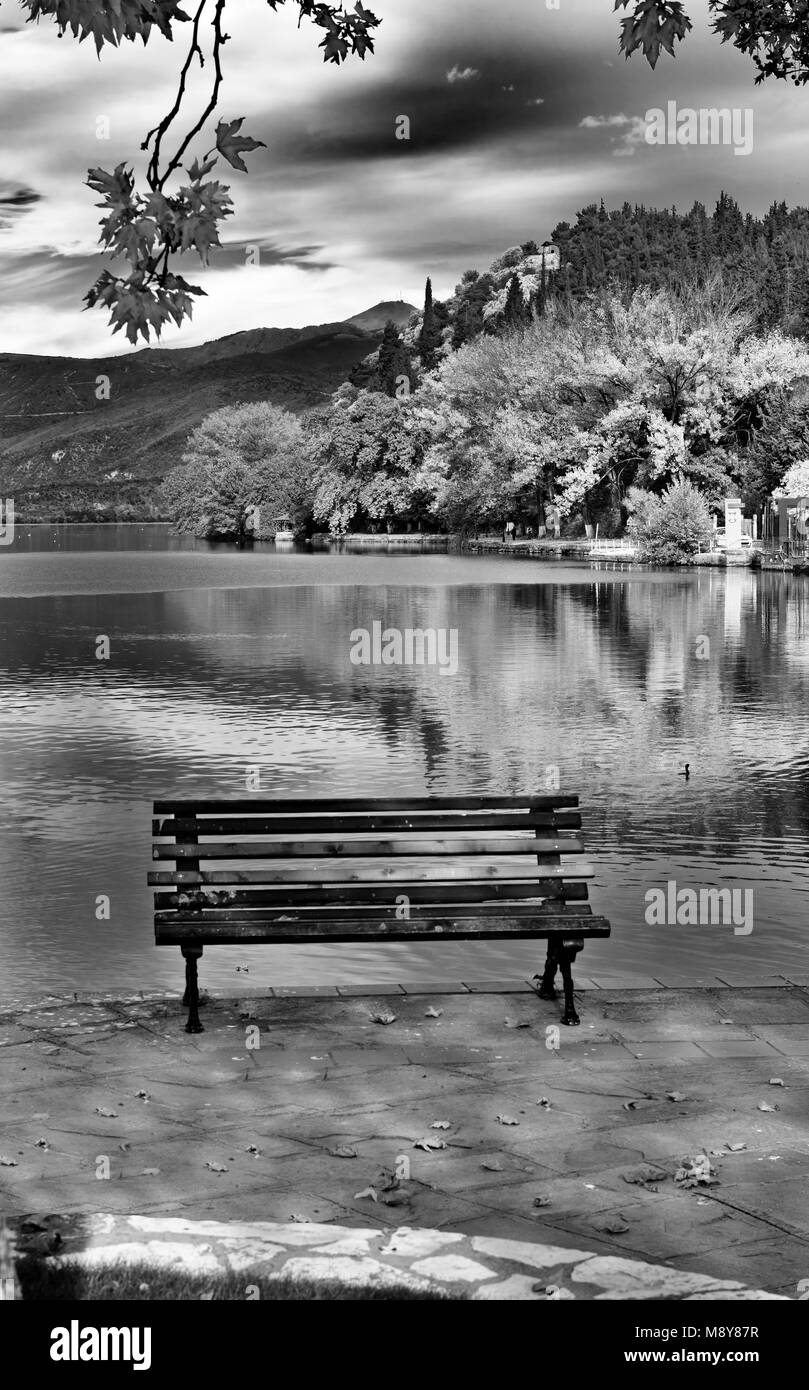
{"x": 547, "y": 988}
{"x": 191, "y": 955}
{"x": 567, "y": 952}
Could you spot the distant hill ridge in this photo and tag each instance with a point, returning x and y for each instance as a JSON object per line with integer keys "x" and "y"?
{"x": 63, "y": 452}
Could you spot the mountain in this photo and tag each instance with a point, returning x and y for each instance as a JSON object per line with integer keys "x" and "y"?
{"x": 373, "y": 320}
{"x": 65, "y": 453}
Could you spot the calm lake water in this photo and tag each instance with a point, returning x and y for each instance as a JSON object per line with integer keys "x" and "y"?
{"x": 224, "y": 660}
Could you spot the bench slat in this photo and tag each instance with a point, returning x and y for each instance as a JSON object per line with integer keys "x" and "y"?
{"x": 326, "y": 916}
{"x": 180, "y": 827}
{"x": 374, "y": 805}
{"x": 362, "y": 893}
{"x": 321, "y": 873}
{"x": 363, "y": 849}
{"x": 176, "y": 933}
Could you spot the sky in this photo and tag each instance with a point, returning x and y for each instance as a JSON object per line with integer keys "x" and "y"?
{"x": 519, "y": 115}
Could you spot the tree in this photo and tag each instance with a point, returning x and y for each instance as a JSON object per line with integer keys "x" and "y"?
{"x": 514, "y": 312}
{"x": 430, "y": 335}
{"x": 773, "y": 33}
{"x": 367, "y": 455}
{"x": 241, "y": 457}
{"x": 670, "y": 528}
{"x": 394, "y": 361}
{"x": 795, "y": 482}
{"x": 149, "y": 228}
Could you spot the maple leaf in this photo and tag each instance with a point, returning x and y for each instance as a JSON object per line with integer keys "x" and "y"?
{"x": 654, "y": 24}
{"x": 230, "y": 144}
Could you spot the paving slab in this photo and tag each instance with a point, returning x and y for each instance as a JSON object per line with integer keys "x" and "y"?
{"x": 228, "y": 1131}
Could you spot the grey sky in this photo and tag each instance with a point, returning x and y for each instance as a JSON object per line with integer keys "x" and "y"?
{"x": 519, "y": 116}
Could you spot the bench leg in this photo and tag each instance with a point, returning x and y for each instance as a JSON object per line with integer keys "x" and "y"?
{"x": 567, "y": 955}
{"x": 191, "y": 955}
{"x": 561, "y": 955}
{"x": 547, "y": 988}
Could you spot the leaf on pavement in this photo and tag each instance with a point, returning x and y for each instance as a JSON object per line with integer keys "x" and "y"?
{"x": 369, "y": 1192}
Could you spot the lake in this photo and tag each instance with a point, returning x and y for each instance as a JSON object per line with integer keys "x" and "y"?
{"x": 223, "y": 660}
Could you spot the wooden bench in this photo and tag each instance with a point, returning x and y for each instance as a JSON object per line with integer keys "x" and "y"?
{"x": 399, "y": 869}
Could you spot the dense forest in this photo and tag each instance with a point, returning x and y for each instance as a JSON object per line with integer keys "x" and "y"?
{"x": 639, "y": 350}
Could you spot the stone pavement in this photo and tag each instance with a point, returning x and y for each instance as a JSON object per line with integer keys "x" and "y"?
{"x": 447, "y": 1262}
{"x": 671, "y": 1127}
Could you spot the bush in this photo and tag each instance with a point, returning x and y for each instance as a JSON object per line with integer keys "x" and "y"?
{"x": 669, "y": 529}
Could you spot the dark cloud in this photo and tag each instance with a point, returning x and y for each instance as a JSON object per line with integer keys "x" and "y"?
{"x": 16, "y": 199}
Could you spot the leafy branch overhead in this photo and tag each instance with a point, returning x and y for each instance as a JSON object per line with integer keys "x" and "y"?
{"x": 147, "y": 228}
{"x": 773, "y": 33}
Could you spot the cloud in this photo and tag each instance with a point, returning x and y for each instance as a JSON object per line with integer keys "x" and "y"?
{"x": 633, "y": 132}
{"x": 457, "y": 74}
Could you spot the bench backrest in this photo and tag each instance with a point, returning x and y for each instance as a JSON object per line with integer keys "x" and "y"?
{"x": 351, "y": 870}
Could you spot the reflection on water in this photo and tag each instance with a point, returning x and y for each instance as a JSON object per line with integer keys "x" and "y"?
{"x": 596, "y": 673}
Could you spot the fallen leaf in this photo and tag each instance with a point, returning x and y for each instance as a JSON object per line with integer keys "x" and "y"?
{"x": 366, "y": 1192}
{"x": 41, "y": 1115}
{"x": 518, "y": 1023}
{"x": 216, "y": 1167}
{"x": 776, "y": 1081}
{"x": 8, "y": 1162}
{"x": 384, "y": 1016}
{"x": 396, "y": 1199}
{"x": 440, "y": 1124}
{"x": 142, "y": 1095}
{"x": 542, "y": 1201}
{"x": 125, "y": 1146}
{"x": 544, "y": 1102}
{"x": 343, "y": 1151}
{"x": 42, "y": 1144}
{"x": 149, "y": 1172}
{"x": 726, "y": 1021}
{"x": 676, "y": 1095}
{"x": 428, "y": 1144}
{"x": 108, "y": 1114}
{"x": 735, "y": 1148}
{"x": 302, "y": 1220}
{"x": 253, "y": 1149}
{"x": 697, "y": 1171}
{"x": 245, "y": 969}
{"x": 765, "y": 1105}
{"x": 506, "y": 1120}
{"x": 433, "y": 1013}
{"x": 644, "y": 1174}
{"x": 630, "y": 1105}
{"x": 492, "y": 1165}
{"x": 611, "y": 1225}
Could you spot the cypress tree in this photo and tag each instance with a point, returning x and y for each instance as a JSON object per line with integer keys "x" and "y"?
{"x": 429, "y": 336}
